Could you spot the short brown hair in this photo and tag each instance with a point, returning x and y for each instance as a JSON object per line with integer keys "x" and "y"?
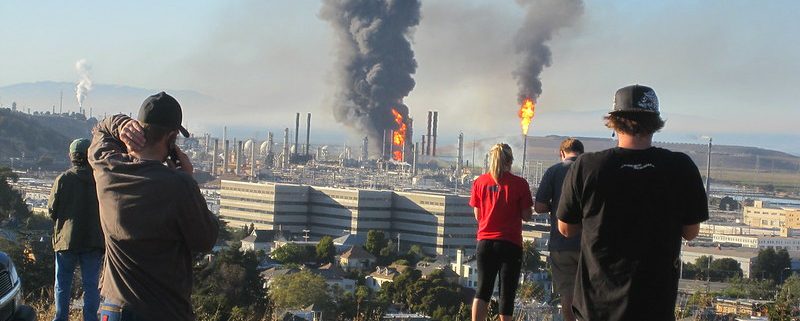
{"x": 571, "y": 145}
{"x": 634, "y": 123}
{"x": 155, "y": 133}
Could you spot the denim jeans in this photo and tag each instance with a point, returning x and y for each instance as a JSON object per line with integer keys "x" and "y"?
{"x": 113, "y": 312}
{"x": 90, "y": 262}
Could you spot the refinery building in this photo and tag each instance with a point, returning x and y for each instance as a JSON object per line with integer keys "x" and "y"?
{"x": 439, "y": 223}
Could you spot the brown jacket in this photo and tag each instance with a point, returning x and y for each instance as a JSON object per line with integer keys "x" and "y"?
{"x": 154, "y": 219}
{"x": 73, "y": 208}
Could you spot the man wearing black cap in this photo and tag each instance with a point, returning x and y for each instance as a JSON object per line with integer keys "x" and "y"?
{"x": 151, "y": 211}
{"x": 631, "y": 205}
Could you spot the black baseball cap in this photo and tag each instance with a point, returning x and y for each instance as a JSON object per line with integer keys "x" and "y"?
{"x": 635, "y": 99}
{"x": 163, "y": 110}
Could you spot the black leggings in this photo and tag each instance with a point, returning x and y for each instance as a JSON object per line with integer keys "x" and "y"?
{"x": 505, "y": 258}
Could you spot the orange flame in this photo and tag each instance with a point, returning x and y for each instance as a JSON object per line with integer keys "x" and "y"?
{"x": 526, "y": 114}
{"x": 399, "y": 136}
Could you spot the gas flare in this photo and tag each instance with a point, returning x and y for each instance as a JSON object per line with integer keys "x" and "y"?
{"x": 399, "y": 136}
{"x": 526, "y": 114}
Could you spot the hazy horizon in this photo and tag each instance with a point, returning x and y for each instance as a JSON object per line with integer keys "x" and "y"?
{"x": 724, "y": 69}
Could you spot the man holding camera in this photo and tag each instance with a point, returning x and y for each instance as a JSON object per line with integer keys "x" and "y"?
{"x": 151, "y": 211}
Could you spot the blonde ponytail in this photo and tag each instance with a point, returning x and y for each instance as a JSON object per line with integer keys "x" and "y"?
{"x": 500, "y": 159}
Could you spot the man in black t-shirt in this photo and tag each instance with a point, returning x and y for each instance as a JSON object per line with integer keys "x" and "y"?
{"x": 631, "y": 204}
{"x": 564, "y": 252}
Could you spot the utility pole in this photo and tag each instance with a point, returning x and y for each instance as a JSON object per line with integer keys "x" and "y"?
{"x": 708, "y": 168}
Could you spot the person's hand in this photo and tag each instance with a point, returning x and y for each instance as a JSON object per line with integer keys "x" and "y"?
{"x": 183, "y": 160}
{"x": 132, "y": 135}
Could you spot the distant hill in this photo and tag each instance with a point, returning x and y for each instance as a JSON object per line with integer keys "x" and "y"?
{"x": 39, "y": 140}
{"x": 738, "y": 158}
{"x": 103, "y": 99}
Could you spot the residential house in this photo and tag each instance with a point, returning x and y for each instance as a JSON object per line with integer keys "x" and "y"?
{"x": 335, "y": 277}
{"x": 428, "y": 268}
{"x": 357, "y": 258}
{"x": 382, "y": 274}
{"x": 741, "y": 307}
{"x": 466, "y": 267}
{"x": 259, "y": 240}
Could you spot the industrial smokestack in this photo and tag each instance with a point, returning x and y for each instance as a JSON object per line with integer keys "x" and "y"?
{"x": 375, "y": 61}
{"x": 239, "y": 153}
{"x": 269, "y": 143}
{"x": 225, "y": 157}
{"x": 435, "y": 131}
{"x": 285, "y": 156}
{"x": 427, "y": 148}
{"x": 308, "y": 132}
{"x": 542, "y": 20}
{"x": 253, "y": 161}
{"x": 414, "y": 149}
{"x": 214, "y": 158}
{"x": 365, "y": 150}
{"x": 383, "y": 146}
{"x": 408, "y": 142}
{"x": 225, "y": 149}
{"x": 460, "y": 156}
{"x": 297, "y": 133}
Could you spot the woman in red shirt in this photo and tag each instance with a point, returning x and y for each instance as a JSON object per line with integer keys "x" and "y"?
{"x": 501, "y": 201}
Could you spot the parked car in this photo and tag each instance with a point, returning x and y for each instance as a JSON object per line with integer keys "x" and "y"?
{"x": 11, "y": 305}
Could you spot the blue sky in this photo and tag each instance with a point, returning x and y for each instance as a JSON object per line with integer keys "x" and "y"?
{"x": 724, "y": 68}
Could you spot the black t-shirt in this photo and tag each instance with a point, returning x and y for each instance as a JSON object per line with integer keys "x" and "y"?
{"x": 632, "y": 205}
{"x": 549, "y": 192}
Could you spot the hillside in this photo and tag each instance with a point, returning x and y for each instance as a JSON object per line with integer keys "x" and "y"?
{"x": 735, "y": 165}
{"x": 38, "y": 140}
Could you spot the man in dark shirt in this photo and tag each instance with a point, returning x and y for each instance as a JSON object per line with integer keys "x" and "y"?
{"x": 563, "y": 251}
{"x": 153, "y": 215}
{"x": 631, "y": 204}
{"x": 77, "y": 237}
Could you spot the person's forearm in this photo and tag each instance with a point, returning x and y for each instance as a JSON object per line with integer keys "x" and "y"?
{"x": 541, "y": 207}
{"x": 106, "y": 143}
{"x": 568, "y": 230}
{"x": 527, "y": 214}
{"x": 689, "y": 232}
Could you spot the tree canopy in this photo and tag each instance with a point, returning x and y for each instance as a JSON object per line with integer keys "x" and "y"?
{"x": 771, "y": 264}
{"x": 299, "y": 290}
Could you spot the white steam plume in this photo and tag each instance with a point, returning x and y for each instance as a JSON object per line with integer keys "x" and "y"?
{"x": 84, "y": 82}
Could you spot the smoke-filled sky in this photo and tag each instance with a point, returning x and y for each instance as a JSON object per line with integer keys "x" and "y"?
{"x": 726, "y": 68}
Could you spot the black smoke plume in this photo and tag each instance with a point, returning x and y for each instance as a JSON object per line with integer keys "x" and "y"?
{"x": 543, "y": 18}
{"x": 375, "y": 61}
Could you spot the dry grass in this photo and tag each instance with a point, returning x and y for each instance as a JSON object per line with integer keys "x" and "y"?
{"x": 45, "y": 308}
{"x": 784, "y": 181}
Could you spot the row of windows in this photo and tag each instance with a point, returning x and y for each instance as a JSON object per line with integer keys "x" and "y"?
{"x": 359, "y": 218}
{"x": 268, "y": 212}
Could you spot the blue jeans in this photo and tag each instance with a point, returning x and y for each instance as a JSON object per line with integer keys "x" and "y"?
{"x": 90, "y": 262}
{"x": 113, "y": 312}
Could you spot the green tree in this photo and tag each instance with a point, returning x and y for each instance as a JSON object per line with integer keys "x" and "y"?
{"x": 11, "y": 201}
{"x": 724, "y": 269}
{"x": 299, "y": 290}
{"x": 325, "y": 250}
{"x": 770, "y": 264}
{"x": 294, "y": 253}
{"x": 741, "y": 288}
{"x": 531, "y": 259}
{"x": 376, "y": 241}
{"x": 530, "y": 291}
{"x": 787, "y": 299}
{"x": 415, "y": 251}
{"x": 228, "y": 286}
